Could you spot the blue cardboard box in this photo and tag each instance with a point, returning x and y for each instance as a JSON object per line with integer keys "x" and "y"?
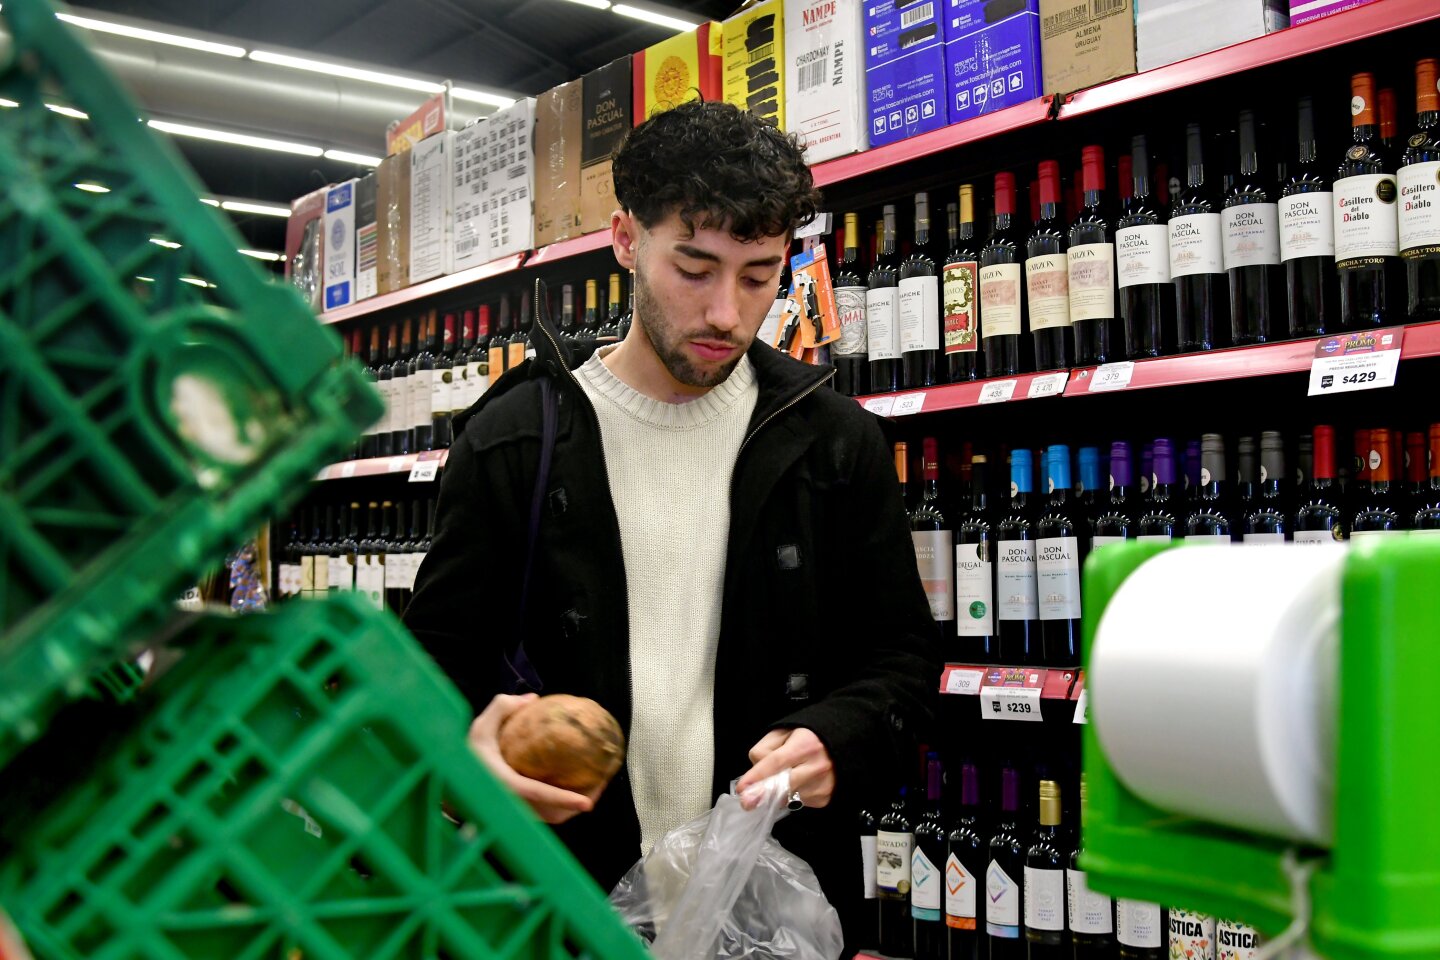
{"x": 904, "y": 68}
{"x": 992, "y": 55}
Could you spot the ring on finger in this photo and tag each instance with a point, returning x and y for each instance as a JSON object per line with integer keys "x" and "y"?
{"x": 795, "y": 802}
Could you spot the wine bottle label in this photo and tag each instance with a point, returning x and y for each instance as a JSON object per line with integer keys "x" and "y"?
{"x": 1057, "y": 573}
{"x": 383, "y": 386}
{"x": 959, "y": 895}
{"x": 974, "y": 590}
{"x": 850, "y": 304}
{"x": 919, "y": 314}
{"x": 1142, "y": 255}
{"x": 1208, "y": 538}
{"x": 1137, "y": 924}
{"x": 1047, "y": 287}
{"x": 1192, "y": 935}
{"x": 1000, "y": 300}
{"x": 514, "y": 355}
{"x": 1264, "y": 538}
{"x": 307, "y": 576}
{"x": 1102, "y": 540}
{"x": 1366, "y": 221}
{"x": 394, "y": 571}
{"x": 892, "y": 863}
{"x": 342, "y": 574}
{"x": 1307, "y": 225}
{"x": 1044, "y": 899}
{"x": 1196, "y": 246}
{"x": 370, "y": 580}
{"x": 1016, "y": 595}
{"x": 1002, "y": 909}
{"x": 769, "y": 331}
{"x": 962, "y": 281}
{"x": 497, "y": 360}
{"x": 882, "y": 323}
{"x": 420, "y": 392}
{"x": 932, "y": 556}
{"x": 473, "y": 388}
{"x": 482, "y": 382}
{"x": 442, "y": 387}
{"x": 1154, "y": 538}
{"x": 401, "y": 412}
{"x": 1314, "y": 537}
{"x": 867, "y": 865}
{"x": 460, "y": 387}
{"x": 1089, "y": 911}
{"x": 1252, "y": 235}
{"x": 418, "y": 560}
{"x": 926, "y": 884}
{"x": 1361, "y": 534}
{"x": 1235, "y": 941}
{"x": 1419, "y": 206}
{"x": 1092, "y": 281}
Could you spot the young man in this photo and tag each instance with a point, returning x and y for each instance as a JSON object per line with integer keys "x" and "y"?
{"x": 723, "y": 560}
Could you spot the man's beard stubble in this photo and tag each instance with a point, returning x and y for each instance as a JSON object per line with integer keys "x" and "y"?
{"x": 672, "y": 351}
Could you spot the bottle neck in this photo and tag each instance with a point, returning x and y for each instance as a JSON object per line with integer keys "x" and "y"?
{"x": 1094, "y": 199}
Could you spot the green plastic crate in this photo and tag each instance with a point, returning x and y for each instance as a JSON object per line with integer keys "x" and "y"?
{"x": 278, "y": 794}
{"x": 146, "y": 425}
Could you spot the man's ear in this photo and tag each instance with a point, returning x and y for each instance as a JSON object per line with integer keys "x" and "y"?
{"x": 624, "y": 238}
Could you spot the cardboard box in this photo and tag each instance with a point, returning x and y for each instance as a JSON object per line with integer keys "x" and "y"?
{"x": 367, "y": 240}
{"x": 1171, "y": 30}
{"x": 392, "y": 224}
{"x": 426, "y": 121}
{"x": 509, "y": 204}
{"x": 904, "y": 68}
{"x": 685, "y": 67}
{"x": 825, "y": 78}
{"x": 340, "y": 245}
{"x": 558, "y": 126}
{"x": 431, "y": 184}
{"x": 1303, "y": 11}
{"x": 469, "y": 231}
{"x": 1085, "y": 42}
{"x": 607, "y": 96}
{"x": 992, "y": 55}
{"x": 754, "y": 51}
{"x": 305, "y": 247}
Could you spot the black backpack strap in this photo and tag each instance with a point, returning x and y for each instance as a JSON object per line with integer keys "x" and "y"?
{"x": 525, "y": 677}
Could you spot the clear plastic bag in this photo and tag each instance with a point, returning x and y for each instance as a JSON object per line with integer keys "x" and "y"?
{"x": 721, "y": 888}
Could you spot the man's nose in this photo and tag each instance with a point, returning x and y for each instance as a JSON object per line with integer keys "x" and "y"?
{"x": 723, "y": 313}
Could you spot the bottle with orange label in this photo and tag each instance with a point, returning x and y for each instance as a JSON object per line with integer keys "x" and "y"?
{"x": 1367, "y": 252}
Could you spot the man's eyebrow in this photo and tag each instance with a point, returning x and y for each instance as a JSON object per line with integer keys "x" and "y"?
{"x": 696, "y": 253}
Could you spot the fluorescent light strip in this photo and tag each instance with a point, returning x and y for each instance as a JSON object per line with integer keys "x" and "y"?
{"x": 240, "y": 139}
{"x": 66, "y": 111}
{"x": 266, "y": 255}
{"x": 260, "y": 209}
{"x": 154, "y": 36}
{"x": 210, "y": 202}
{"x": 348, "y": 157}
{"x": 167, "y": 244}
{"x": 479, "y": 96}
{"x": 596, "y": 4}
{"x": 8, "y": 104}
{"x": 196, "y": 282}
{"x": 92, "y": 188}
{"x": 650, "y": 16}
{"x": 350, "y": 73}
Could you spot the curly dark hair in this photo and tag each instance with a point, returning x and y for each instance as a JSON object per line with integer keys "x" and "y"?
{"x": 715, "y": 164}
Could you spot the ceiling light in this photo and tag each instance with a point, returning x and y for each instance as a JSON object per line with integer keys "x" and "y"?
{"x": 67, "y": 111}
{"x": 267, "y": 255}
{"x": 92, "y": 188}
{"x": 145, "y": 279}
{"x": 477, "y": 96}
{"x": 350, "y": 73}
{"x": 650, "y": 16}
{"x": 154, "y": 36}
{"x": 167, "y": 244}
{"x": 196, "y": 282}
{"x": 597, "y": 4}
{"x": 348, "y": 157}
{"x": 209, "y": 201}
{"x": 8, "y": 103}
{"x": 262, "y": 209}
{"x": 240, "y": 139}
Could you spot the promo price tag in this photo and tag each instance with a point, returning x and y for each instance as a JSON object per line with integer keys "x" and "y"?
{"x": 964, "y": 682}
{"x": 1365, "y": 360}
{"x": 1049, "y": 385}
{"x": 907, "y": 404}
{"x": 1112, "y": 376}
{"x": 880, "y": 406}
{"x": 424, "y": 471}
{"x": 997, "y": 391}
{"x": 1010, "y": 703}
{"x": 817, "y": 226}
{"x": 1082, "y": 706}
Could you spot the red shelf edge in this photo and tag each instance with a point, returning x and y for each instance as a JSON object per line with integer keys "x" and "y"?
{"x": 959, "y": 396}
{"x": 574, "y": 247}
{"x": 1056, "y": 683}
{"x": 425, "y": 289}
{"x": 379, "y": 466}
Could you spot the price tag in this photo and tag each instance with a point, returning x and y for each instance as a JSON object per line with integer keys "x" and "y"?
{"x": 880, "y": 406}
{"x": 997, "y": 391}
{"x": 907, "y": 404}
{"x": 1010, "y": 703}
{"x": 424, "y": 471}
{"x": 965, "y": 682}
{"x": 1049, "y": 385}
{"x": 1082, "y": 706}
{"x": 1366, "y": 360}
{"x": 1112, "y": 376}
{"x": 818, "y": 225}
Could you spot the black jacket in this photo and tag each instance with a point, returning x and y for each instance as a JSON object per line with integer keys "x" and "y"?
{"x": 824, "y": 622}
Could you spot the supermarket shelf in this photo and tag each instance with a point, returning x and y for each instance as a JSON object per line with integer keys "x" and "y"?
{"x": 574, "y": 247}
{"x": 956, "y": 396}
{"x": 1357, "y": 24}
{"x": 427, "y": 289}
{"x": 380, "y": 466}
{"x": 968, "y": 679}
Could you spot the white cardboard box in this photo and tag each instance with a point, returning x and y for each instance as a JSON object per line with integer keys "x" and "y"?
{"x": 340, "y": 245}
{"x": 1170, "y": 30}
{"x": 509, "y": 203}
{"x": 825, "y": 77}
{"x": 470, "y": 234}
{"x": 431, "y": 185}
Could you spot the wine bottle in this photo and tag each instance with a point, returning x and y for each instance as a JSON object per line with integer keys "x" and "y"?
{"x": 1147, "y": 474}
{"x": 1427, "y": 514}
{"x": 882, "y": 311}
{"x": 394, "y": 557}
{"x": 1250, "y": 222}
{"x": 1045, "y": 864}
{"x": 867, "y": 926}
{"x": 1016, "y": 596}
{"x": 403, "y": 438}
{"x": 569, "y": 323}
{"x": 1192, "y": 935}
{"x": 369, "y": 443}
{"x": 1091, "y": 915}
{"x": 1367, "y": 244}
{"x": 1376, "y": 511}
{"x": 1057, "y": 565}
{"x": 1389, "y": 129}
{"x": 477, "y": 366}
{"x": 921, "y": 354}
{"x": 1047, "y": 276}
{"x": 974, "y": 571}
{"x": 463, "y": 388}
{"x": 902, "y": 472}
{"x": 934, "y": 541}
{"x": 370, "y": 569}
{"x": 341, "y": 547}
{"x": 1419, "y": 213}
{"x": 1214, "y": 518}
{"x": 589, "y": 333}
{"x": 1004, "y": 906}
{"x": 1235, "y": 941}
{"x": 1091, "y": 262}
{"x": 609, "y": 332}
{"x": 962, "y": 295}
{"x": 1416, "y": 479}
{"x": 1115, "y": 517}
{"x": 422, "y": 389}
{"x": 1197, "y": 259}
{"x": 894, "y": 844}
{"x": 1307, "y": 238}
{"x": 965, "y": 862}
{"x": 1160, "y": 520}
{"x": 1142, "y": 264}
{"x": 1088, "y": 488}
{"x": 1191, "y": 458}
{"x": 927, "y": 872}
{"x": 1000, "y": 270}
{"x": 306, "y": 549}
{"x": 852, "y": 374}
{"x": 1139, "y": 930}
{"x": 526, "y": 328}
{"x": 443, "y": 386}
{"x": 499, "y": 349}
{"x": 1247, "y": 478}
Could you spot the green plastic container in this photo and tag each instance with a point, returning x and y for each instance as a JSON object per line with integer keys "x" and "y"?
{"x": 156, "y": 402}
{"x": 278, "y": 794}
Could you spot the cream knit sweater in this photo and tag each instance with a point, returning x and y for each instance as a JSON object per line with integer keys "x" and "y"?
{"x": 670, "y": 467}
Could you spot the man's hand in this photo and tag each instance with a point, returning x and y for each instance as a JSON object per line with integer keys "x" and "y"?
{"x": 812, "y": 775}
{"x": 550, "y": 804}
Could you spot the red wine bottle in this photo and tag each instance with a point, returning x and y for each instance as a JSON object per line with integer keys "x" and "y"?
{"x": 1213, "y": 518}
{"x": 1307, "y": 238}
{"x": 1057, "y": 564}
{"x": 1197, "y": 259}
{"x": 1114, "y": 520}
{"x": 1252, "y": 246}
{"x": 1142, "y": 264}
{"x": 882, "y": 311}
{"x": 1427, "y": 515}
{"x": 1091, "y": 256}
{"x": 852, "y": 374}
{"x": 894, "y": 847}
{"x": 965, "y": 862}
{"x": 1017, "y": 602}
{"x": 1047, "y": 276}
{"x": 1160, "y": 519}
{"x": 1419, "y": 182}
{"x": 1268, "y": 519}
{"x": 934, "y": 542}
{"x": 927, "y": 872}
{"x": 1367, "y": 243}
{"x": 922, "y": 359}
{"x": 1376, "y": 498}
{"x": 1004, "y": 876}
{"x": 975, "y": 571}
{"x": 1000, "y": 286}
{"x": 961, "y": 291}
